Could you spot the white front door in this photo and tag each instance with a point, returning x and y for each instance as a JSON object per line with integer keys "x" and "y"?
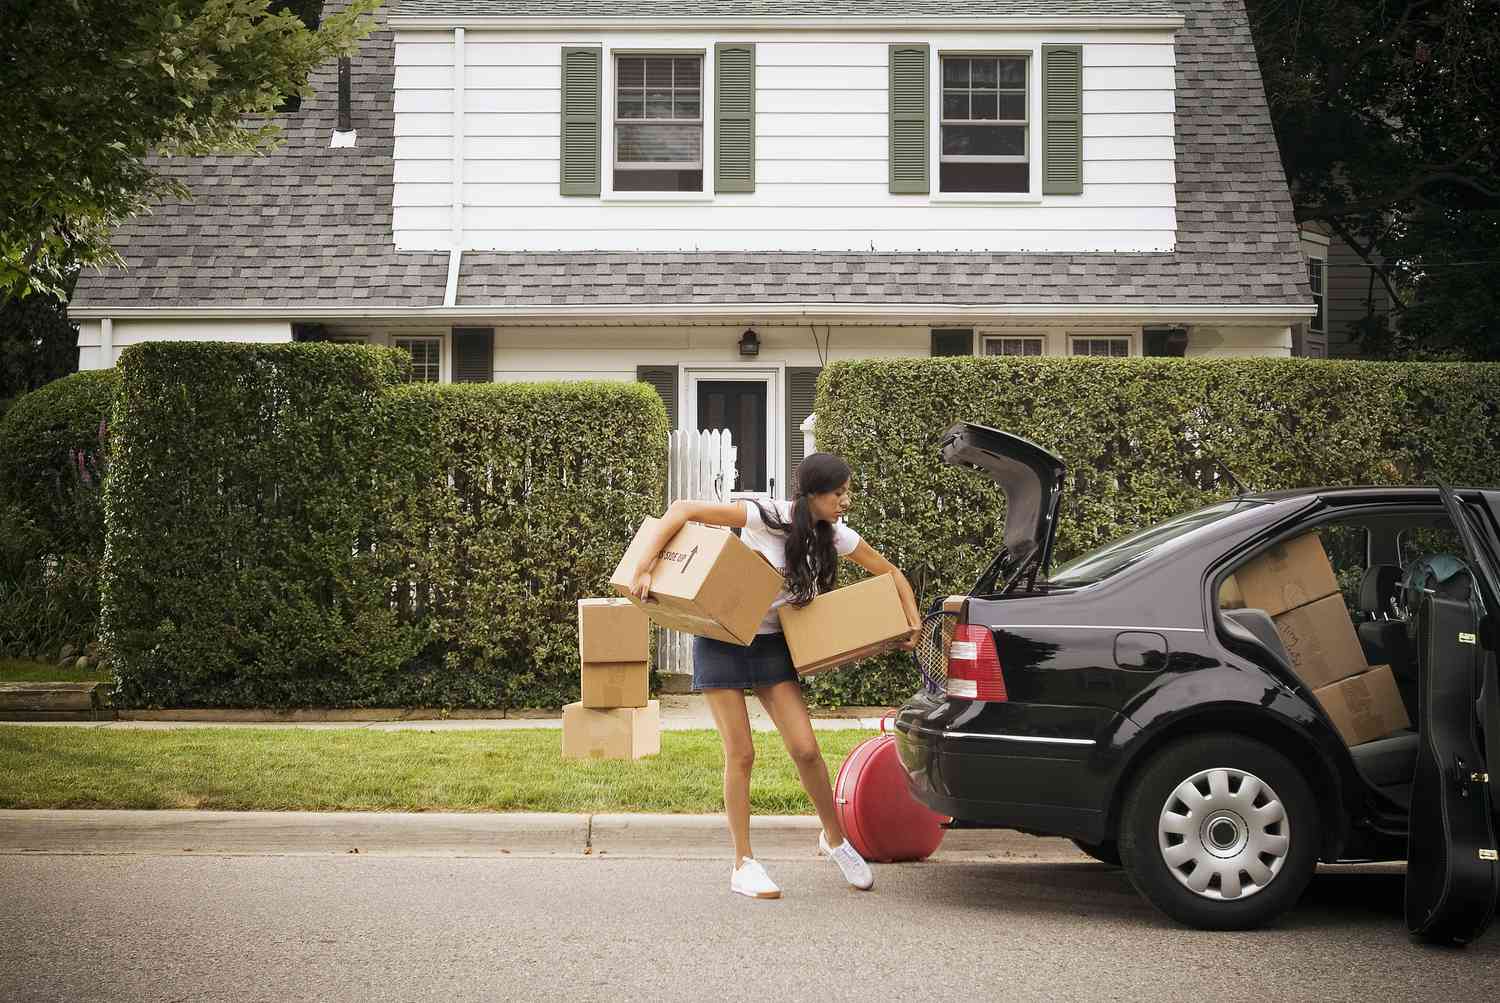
{"x": 748, "y": 403}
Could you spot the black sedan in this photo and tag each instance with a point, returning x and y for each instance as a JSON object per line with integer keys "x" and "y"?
{"x": 1116, "y": 702}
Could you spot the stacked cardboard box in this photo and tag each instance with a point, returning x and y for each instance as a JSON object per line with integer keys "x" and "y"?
{"x": 615, "y": 718}
{"x": 1295, "y": 584}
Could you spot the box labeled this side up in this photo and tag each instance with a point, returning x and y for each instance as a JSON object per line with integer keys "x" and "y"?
{"x": 621, "y": 733}
{"x": 612, "y": 630}
{"x": 705, "y": 582}
{"x": 845, "y": 625}
{"x": 1365, "y": 707}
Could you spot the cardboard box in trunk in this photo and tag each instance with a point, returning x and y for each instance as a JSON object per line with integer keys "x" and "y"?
{"x": 1321, "y": 641}
{"x": 706, "y": 582}
{"x": 612, "y": 630}
{"x": 845, "y": 625}
{"x": 615, "y": 684}
{"x": 1289, "y": 575}
{"x": 1365, "y": 707}
{"x": 621, "y": 733}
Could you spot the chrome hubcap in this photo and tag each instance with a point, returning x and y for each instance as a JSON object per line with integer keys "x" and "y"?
{"x": 1223, "y": 834}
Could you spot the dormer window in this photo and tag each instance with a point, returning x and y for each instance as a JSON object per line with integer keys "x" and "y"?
{"x": 985, "y": 147}
{"x": 658, "y": 123}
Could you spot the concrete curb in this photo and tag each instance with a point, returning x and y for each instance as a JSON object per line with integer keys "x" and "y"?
{"x": 459, "y": 834}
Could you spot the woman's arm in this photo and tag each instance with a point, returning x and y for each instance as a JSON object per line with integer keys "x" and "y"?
{"x": 679, "y": 514}
{"x": 875, "y": 563}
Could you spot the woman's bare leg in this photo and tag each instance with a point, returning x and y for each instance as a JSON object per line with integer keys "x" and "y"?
{"x": 784, "y": 703}
{"x": 733, "y": 722}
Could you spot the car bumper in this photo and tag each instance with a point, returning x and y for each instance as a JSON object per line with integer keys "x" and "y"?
{"x": 1008, "y": 766}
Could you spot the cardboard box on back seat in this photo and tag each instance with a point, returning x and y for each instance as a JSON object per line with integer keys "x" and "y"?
{"x": 1365, "y": 707}
{"x": 1290, "y": 574}
{"x": 1321, "y": 641}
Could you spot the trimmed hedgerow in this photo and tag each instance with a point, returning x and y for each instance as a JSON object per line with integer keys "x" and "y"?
{"x": 1140, "y": 438}
{"x": 54, "y": 453}
{"x": 294, "y": 525}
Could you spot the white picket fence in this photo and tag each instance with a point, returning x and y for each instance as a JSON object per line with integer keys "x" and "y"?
{"x": 701, "y": 467}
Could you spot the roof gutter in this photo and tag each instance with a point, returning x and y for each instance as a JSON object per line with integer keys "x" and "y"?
{"x": 427, "y": 22}
{"x": 885, "y": 313}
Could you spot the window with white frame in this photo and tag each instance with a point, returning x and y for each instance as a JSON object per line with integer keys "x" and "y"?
{"x": 1317, "y": 278}
{"x": 1014, "y": 346}
{"x": 1110, "y": 348}
{"x": 985, "y": 145}
{"x": 426, "y": 358}
{"x": 658, "y": 123}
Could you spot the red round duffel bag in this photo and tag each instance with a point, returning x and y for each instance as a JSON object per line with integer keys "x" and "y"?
{"x": 877, "y": 813}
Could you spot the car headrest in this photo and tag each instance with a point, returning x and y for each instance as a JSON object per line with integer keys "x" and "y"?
{"x": 1381, "y": 584}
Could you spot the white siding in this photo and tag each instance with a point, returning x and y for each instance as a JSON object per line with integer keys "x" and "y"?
{"x": 132, "y": 332}
{"x": 1230, "y": 342}
{"x": 821, "y": 151}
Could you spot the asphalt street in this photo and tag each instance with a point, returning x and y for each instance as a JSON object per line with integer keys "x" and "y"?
{"x": 360, "y": 927}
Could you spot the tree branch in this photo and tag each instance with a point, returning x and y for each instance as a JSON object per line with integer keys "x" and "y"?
{"x": 1376, "y": 268}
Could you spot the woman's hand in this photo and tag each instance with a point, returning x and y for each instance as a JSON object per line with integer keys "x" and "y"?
{"x": 910, "y": 644}
{"x": 641, "y": 587}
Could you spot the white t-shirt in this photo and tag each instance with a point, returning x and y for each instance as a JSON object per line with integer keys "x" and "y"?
{"x": 759, "y": 537}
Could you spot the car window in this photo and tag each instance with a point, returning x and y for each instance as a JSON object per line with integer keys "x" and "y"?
{"x": 1348, "y": 547}
{"x": 1417, "y": 542}
{"x": 1115, "y": 557}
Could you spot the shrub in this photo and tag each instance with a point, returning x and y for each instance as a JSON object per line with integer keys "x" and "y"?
{"x": 1142, "y": 439}
{"x": 293, "y": 525}
{"x": 54, "y": 455}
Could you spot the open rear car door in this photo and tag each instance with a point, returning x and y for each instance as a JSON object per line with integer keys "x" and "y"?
{"x": 1452, "y": 874}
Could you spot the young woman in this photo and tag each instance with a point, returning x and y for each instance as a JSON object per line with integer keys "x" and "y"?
{"x": 803, "y": 539}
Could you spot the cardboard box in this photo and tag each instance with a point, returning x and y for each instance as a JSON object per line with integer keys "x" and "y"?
{"x": 1289, "y": 575}
{"x": 705, "y": 582}
{"x": 612, "y": 630}
{"x": 1230, "y": 596}
{"x": 1321, "y": 641}
{"x": 954, "y": 604}
{"x": 615, "y": 684}
{"x": 621, "y": 733}
{"x": 1365, "y": 707}
{"x": 845, "y": 625}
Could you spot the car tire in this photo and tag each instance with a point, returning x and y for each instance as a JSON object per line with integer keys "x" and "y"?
{"x": 1189, "y": 820}
{"x": 1107, "y": 852}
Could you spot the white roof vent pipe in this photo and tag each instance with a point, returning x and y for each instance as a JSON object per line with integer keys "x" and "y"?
{"x": 343, "y": 132}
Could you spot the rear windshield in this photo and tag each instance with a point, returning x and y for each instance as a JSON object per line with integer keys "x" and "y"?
{"x": 1115, "y": 557}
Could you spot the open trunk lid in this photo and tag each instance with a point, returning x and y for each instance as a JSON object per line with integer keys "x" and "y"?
{"x": 1031, "y": 479}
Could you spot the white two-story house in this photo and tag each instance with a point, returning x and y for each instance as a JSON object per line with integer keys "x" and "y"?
{"x": 720, "y": 197}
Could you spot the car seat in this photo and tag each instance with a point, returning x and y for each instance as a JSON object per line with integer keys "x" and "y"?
{"x": 1383, "y": 636}
{"x": 1259, "y": 628}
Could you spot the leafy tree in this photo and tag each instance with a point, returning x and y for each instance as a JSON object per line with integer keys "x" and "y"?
{"x": 1387, "y": 113}
{"x": 95, "y": 87}
{"x": 37, "y": 345}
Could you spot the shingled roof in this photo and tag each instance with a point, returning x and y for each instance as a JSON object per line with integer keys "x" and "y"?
{"x": 781, "y": 8}
{"x": 309, "y": 227}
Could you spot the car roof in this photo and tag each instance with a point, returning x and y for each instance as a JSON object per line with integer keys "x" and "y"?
{"x": 1349, "y": 495}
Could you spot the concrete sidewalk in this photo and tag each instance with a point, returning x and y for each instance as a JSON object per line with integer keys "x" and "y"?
{"x": 679, "y": 712}
{"x": 457, "y": 834}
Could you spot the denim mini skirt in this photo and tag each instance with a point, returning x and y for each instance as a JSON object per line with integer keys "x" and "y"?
{"x": 718, "y": 665}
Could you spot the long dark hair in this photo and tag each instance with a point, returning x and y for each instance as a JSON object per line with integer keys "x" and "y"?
{"x": 811, "y": 561}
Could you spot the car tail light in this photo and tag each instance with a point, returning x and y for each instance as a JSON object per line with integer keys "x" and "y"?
{"x": 974, "y": 664}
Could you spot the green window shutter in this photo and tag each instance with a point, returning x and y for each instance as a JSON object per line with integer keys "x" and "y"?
{"x": 910, "y": 70}
{"x": 582, "y": 120}
{"x": 953, "y": 341}
{"x": 801, "y": 388}
{"x": 473, "y": 355}
{"x": 1062, "y": 120}
{"x": 734, "y": 117}
{"x": 663, "y": 380}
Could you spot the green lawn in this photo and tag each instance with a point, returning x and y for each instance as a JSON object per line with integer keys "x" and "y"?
{"x": 355, "y": 770}
{"x": 20, "y": 670}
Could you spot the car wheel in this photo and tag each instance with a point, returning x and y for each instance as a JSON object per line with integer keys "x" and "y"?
{"x": 1107, "y": 852}
{"x": 1220, "y": 832}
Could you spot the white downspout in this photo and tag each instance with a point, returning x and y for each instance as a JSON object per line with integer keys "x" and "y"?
{"x": 106, "y": 343}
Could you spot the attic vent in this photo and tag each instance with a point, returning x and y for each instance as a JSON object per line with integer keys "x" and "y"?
{"x": 343, "y": 135}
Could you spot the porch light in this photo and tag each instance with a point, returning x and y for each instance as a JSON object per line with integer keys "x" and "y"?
{"x": 749, "y": 343}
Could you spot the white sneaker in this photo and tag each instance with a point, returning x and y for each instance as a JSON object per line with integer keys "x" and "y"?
{"x": 856, "y": 871}
{"x": 751, "y": 879}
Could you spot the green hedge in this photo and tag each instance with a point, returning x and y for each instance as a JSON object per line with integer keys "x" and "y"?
{"x": 295, "y": 525}
{"x": 54, "y": 454}
{"x": 1138, "y": 436}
